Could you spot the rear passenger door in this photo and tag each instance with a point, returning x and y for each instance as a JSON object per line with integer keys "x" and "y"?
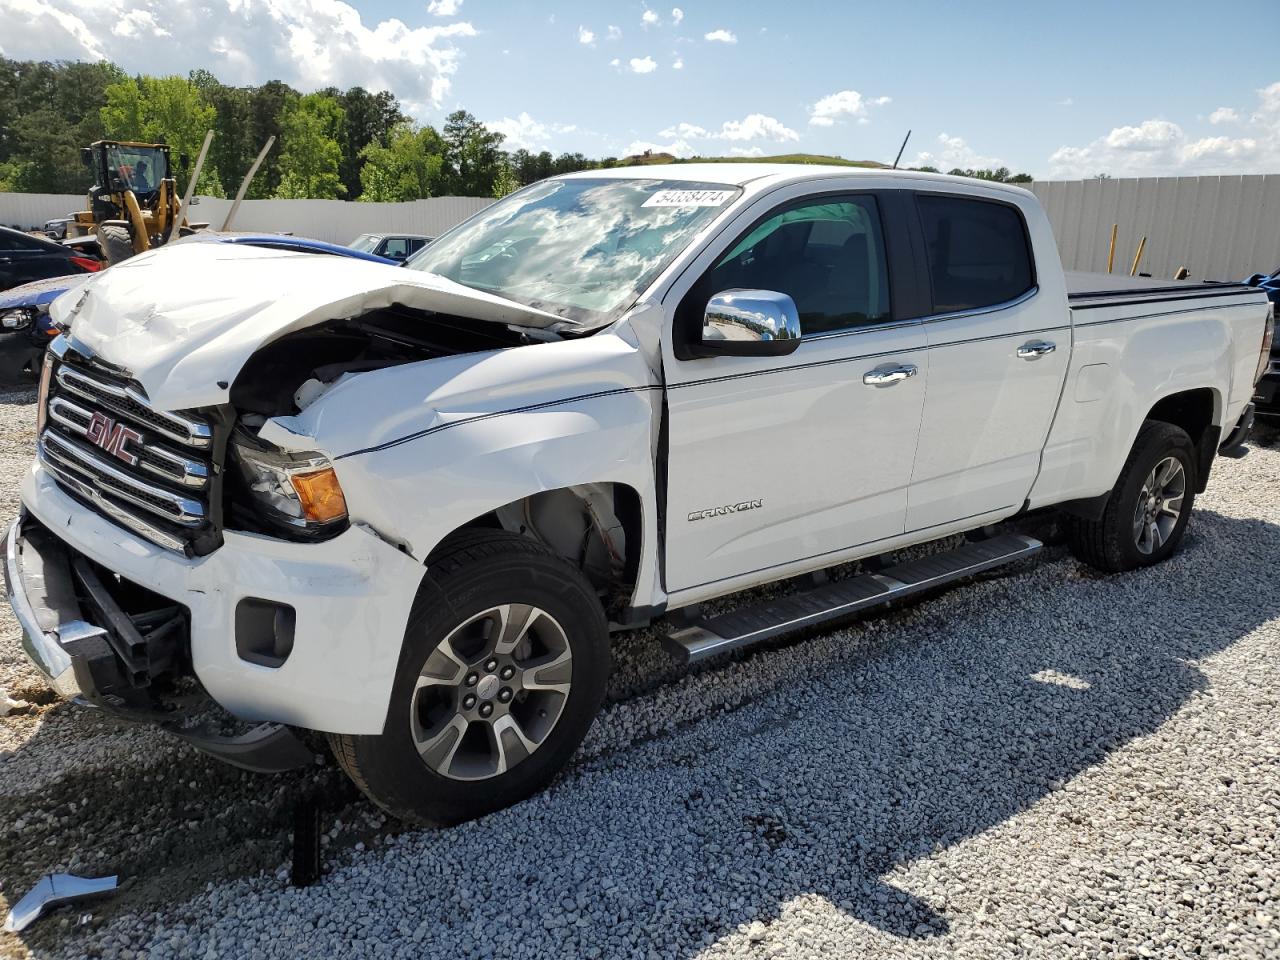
{"x": 998, "y": 353}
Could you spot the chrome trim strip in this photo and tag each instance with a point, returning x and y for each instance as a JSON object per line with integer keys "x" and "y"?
{"x": 186, "y": 512}
{"x": 42, "y": 648}
{"x": 189, "y": 473}
{"x": 112, "y": 511}
{"x": 983, "y": 311}
{"x": 185, "y": 430}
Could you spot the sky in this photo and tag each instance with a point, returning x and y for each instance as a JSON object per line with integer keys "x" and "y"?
{"x": 1061, "y": 90}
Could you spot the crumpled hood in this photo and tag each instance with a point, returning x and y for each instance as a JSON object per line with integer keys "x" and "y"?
{"x": 183, "y": 320}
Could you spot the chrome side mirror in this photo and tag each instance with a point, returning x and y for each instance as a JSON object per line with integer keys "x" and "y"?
{"x": 749, "y": 323}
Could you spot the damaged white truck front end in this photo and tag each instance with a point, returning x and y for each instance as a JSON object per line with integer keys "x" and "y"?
{"x": 282, "y": 464}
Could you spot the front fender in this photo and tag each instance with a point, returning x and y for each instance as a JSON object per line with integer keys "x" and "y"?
{"x": 421, "y": 449}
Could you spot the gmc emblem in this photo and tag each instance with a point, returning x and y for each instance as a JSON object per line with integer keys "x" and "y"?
{"x": 113, "y": 437}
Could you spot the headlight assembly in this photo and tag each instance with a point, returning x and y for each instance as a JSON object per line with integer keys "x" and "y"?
{"x": 19, "y": 319}
{"x": 296, "y": 491}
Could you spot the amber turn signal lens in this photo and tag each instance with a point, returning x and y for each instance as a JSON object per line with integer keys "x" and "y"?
{"x": 320, "y": 495}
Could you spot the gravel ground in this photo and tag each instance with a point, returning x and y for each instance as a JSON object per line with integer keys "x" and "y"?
{"x": 1047, "y": 763}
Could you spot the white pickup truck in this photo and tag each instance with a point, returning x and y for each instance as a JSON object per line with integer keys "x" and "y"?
{"x": 407, "y": 507}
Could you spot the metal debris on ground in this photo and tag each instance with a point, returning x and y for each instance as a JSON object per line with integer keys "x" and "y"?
{"x": 53, "y": 890}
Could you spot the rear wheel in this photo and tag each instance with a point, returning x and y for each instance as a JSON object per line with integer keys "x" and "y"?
{"x": 1149, "y": 507}
{"x": 503, "y": 669}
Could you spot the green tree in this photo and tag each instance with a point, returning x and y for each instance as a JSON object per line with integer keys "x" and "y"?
{"x": 472, "y": 155}
{"x": 999, "y": 175}
{"x": 505, "y": 182}
{"x": 170, "y": 110}
{"x": 266, "y": 111}
{"x": 48, "y": 111}
{"x": 311, "y": 155}
{"x": 370, "y": 119}
{"x": 409, "y": 167}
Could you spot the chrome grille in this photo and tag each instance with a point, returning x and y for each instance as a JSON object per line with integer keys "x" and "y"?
{"x": 148, "y": 470}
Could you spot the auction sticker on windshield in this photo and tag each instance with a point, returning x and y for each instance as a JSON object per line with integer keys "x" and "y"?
{"x": 689, "y": 198}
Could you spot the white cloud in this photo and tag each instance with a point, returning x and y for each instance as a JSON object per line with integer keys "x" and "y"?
{"x": 615, "y": 62}
{"x": 1067, "y": 102}
{"x": 444, "y": 8}
{"x": 524, "y": 131}
{"x": 677, "y": 64}
{"x": 691, "y": 130}
{"x": 953, "y": 152}
{"x": 310, "y": 44}
{"x": 746, "y": 152}
{"x": 720, "y": 36}
{"x": 755, "y": 126}
{"x": 643, "y": 64}
{"x": 614, "y": 32}
{"x": 649, "y": 18}
{"x": 676, "y": 15}
{"x": 1160, "y": 147}
{"x": 843, "y": 105}
{"x": 586, "y": 37}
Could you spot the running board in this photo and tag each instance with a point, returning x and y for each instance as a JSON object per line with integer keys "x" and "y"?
{"x": 771, "y": 618}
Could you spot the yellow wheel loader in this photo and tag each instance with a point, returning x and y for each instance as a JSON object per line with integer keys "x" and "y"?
{"x": 134, "y": 201}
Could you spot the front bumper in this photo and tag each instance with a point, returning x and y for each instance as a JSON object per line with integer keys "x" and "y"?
{"x": 351, "y": 595}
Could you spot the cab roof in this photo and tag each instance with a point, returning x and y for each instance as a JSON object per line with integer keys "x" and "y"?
{"x": 741, "y": 174}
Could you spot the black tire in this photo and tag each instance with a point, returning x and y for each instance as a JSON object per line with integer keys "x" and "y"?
{"x": 1110, "y": 544}
{"x": 469, "y": 574}
{"x": 115, "y": 242}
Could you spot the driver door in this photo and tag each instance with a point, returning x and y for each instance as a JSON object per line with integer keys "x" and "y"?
{"x": 773, "y": 460}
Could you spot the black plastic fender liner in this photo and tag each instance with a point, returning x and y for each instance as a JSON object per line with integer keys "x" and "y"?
{"x": 267, "y": 748}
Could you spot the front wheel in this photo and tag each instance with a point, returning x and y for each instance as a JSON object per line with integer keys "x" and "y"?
{"x": 503, "y": 669}
{"x": 1149, "y": 507}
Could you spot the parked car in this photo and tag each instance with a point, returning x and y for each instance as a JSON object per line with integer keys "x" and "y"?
{"x": 281, "y": 241}
{"x": 25, "y": 327}
{"x": 56, "y": 229}
{"x": 406, "y": 507}
{"x": 1267, "y": 398}
{"x": 25, "y": 257}
{"x": 394, "y": 246}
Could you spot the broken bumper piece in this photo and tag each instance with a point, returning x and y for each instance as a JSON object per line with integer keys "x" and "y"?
{"x": 100, "y": 666}
{"x": 53, "y": 890}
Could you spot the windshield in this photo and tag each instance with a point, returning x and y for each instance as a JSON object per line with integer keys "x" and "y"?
{"x": 141, "y": 168}
{"x": 364, "y": 243}
{"x": 580, "y": 248}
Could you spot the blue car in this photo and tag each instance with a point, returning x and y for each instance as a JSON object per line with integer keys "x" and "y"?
{"x": 25, "y": 327}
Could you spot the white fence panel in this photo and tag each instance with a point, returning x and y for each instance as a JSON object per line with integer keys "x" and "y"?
{"x": 336, "y": 221}
{"x": 1219, "y": 228}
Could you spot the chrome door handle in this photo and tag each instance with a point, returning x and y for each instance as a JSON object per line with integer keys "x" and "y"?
{"x": 884, "y": 376}
{"x": 1035, "y": 349}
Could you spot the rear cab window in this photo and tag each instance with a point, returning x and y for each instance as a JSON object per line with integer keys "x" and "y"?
{"x": 978, "y": 252}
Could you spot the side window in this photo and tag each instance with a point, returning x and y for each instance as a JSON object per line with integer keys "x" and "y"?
{"x": 828, "y": 257}
{"x": 396, "y": 247}
{"x": 978, "y": 252}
